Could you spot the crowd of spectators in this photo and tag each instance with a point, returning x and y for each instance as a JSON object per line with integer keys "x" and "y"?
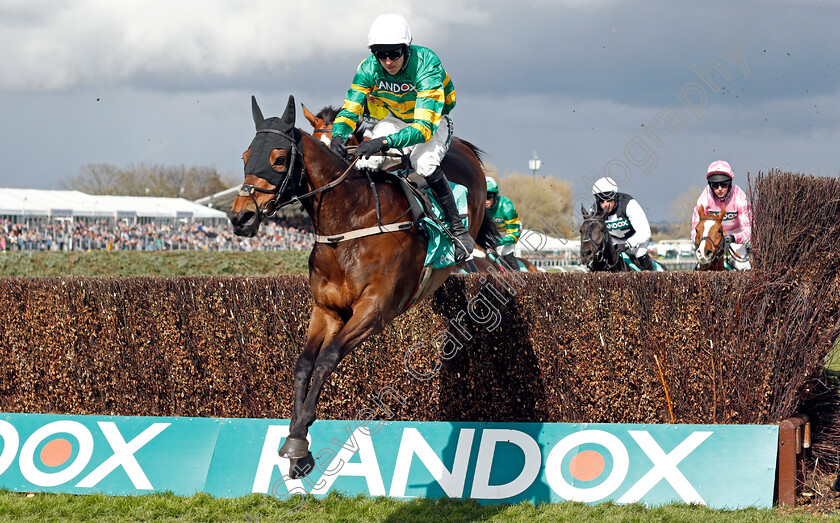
{"x": 288, "y": 233}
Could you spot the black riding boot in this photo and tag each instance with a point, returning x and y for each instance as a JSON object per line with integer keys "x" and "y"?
{"x": 462, "y": 241}
{"x": 645, "y": 263}
{"x": 510, "y": 261}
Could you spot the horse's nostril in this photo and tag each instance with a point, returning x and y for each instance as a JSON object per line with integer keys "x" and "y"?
{"x": 242, "y": 219}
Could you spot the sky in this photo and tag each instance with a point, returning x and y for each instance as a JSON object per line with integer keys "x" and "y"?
{"x": 648, "y": 92}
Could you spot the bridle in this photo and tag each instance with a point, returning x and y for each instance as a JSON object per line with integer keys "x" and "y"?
{"x": 295, "y": 157}
{"x": 600, "y": 249}
{"x": 718, "y": 249}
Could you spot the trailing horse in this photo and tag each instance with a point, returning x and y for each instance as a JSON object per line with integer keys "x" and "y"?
{"x": 322, "y": 125}
{"x": 709, "y": 244}
{"x": 367, "y": 265}
{"x": 597, "y": 250}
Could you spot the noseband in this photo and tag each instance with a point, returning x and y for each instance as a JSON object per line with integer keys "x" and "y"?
{"x": 249, "y": 190}
{"x": 294, "y": 151}
{"x": 718, "y": 251}
{"x": 600, "y": 249}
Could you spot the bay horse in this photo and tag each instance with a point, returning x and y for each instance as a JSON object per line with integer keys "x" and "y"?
{"x": 708, "y": 240}
{"x": 322, "y": 125}
{"x": 358, "y": 285}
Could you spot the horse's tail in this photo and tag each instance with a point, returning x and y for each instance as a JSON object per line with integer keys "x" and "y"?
{"x": 488, "y": 236}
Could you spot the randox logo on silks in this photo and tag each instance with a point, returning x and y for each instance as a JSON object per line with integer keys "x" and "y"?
{"x": 395, "y": 87}
{"x": 722, "y": 466}
{"x": 618, "y": 224}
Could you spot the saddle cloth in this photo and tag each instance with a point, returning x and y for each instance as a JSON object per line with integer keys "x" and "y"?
{"x": 440, "y": 252}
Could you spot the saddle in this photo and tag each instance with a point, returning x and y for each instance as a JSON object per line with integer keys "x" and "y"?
{"x": 414, "y": 187}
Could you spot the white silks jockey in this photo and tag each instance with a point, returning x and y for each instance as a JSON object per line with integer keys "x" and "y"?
{"x": 626, "y": 221}
{"x": 720, "y": 192}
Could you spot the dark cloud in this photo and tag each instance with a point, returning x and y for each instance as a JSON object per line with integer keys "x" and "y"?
{"x": 583, "y": 84}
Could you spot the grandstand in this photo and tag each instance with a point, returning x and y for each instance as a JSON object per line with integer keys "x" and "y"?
{"x": 33, "y": 219}
{"x": 23, "y": 205}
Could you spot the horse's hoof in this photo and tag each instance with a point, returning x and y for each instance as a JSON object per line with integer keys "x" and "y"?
{"x": 294, "y": 448}
{"x": 301, "y": 467}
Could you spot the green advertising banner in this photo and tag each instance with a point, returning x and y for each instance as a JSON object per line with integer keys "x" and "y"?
{"x": 722, "y": 466}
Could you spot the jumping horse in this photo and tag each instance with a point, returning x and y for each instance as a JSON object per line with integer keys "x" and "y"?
{"x": 597, "y": 250}
{"x": 709, "y": 243}
{"x": 367, "y": 265}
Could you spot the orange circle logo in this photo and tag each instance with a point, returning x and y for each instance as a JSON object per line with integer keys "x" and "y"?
{"x": 56, "y": 452}
{"x": 587, "y": 465}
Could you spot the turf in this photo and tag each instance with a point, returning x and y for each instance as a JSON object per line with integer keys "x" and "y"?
{"x": 48, "y": 264}
{"x": 335, "y": 507}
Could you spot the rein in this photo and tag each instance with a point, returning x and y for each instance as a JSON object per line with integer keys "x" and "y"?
{"x": 249, "y": 190}
{"x": 718, "y": 252}
{"x": 600, "y": 250}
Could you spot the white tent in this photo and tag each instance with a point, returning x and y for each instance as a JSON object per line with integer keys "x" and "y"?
{"x": 534, "y": 241}
{"x": 53, "y": 204}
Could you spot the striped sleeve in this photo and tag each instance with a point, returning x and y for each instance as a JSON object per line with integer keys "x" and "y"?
{"x": 351, "y": 113}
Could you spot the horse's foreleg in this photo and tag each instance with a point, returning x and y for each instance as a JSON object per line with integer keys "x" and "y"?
{"x": 323, "y": 326}
{"x": 366, "y": 321}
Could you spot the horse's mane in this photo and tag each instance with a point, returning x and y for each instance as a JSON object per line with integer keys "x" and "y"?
{"x": 328, "y": 114}
{"x": 480, "y": 154}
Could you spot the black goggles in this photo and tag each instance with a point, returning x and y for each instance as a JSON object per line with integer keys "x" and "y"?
{"x": 718, "y": 185}
{"x": 391, "y": 54}
{"x": 605, "y": 196}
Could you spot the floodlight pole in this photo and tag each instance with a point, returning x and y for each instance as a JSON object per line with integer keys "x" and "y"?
{"x": 534, "y": 164}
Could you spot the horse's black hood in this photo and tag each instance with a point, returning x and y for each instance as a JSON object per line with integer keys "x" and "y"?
{"x": 273, "y": 133}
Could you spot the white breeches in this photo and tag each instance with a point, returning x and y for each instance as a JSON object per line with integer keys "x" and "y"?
{"x": 425, "y": 157}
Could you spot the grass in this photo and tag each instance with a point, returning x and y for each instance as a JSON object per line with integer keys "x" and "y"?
{"x": 49, "y": 264}
{"x": 832, "y": 360}
{"x": 336, "y": 507}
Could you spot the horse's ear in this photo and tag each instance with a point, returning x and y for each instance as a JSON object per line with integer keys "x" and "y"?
{"x": 288, "y": 118}
{"x": 255, "y": 110}
{"x": 722, "y": 211}
{"x": 583, "y": 211}
{"x": 311, "y": 117}
{"x": 701, "y": 211}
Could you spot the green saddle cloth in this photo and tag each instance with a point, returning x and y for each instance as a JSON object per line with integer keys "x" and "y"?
{"x": 440, "y": 252}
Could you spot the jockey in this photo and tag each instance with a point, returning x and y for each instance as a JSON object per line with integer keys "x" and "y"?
{"x": 506, "y": 220}
{"x": 626, "y": 221}
{"x": 737, "y": 223}
{"x": 411, "y": 83}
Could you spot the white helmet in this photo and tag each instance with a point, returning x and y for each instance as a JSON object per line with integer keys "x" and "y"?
{"x": 390, "y": 29}
{"x": 605, "y": 186}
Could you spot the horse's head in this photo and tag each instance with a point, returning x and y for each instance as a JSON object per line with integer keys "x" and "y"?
{"x": 322, "y": 125}
{"x": 273, "y": 166}
{"x": 708, "y": 236}
{"x": 593, "y": 237}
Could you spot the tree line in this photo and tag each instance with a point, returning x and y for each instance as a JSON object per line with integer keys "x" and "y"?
{"x": 143, "y": 179}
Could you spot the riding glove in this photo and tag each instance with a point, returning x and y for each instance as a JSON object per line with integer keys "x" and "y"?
{"x": 729, "y": 239}
{"x": 369, "y": 148}
{"x": 622, "y": 247}
{"x": 338, "y": 145}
